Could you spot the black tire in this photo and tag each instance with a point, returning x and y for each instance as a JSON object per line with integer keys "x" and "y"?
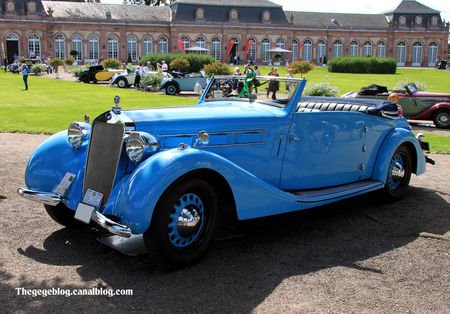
{"x": 441, "y": 118}
{"x": 62, "y": 215}
{"x": 399, "y": 174}
{"x": 122, "y": 83}
{"x": 184, "y": 224}
{"x": 171, "y": 89}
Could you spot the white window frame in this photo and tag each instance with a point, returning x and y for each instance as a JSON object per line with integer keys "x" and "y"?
{"x": 132, "y": 47}
{"x": 417, "y": 54}
{"x": 93, "y": 47}
{"x": 401, "y": 53}
{"x": 321, "y": 49}
{"x": 216, "y": 48}
{"x": 307, "y": 50}
{"x": 113, "y": 47}
{"x": 265, "y": 47}
{"x": 432, "y": 54}
{"x": 294, "y": 50}
{"x": 381, "y": 49}
{"x": 354, "y": 49}
{"x": 147, "y": 45}
{"x": 367, "y": 49}
{"x": 163, "y": 45}
{"x": 337, "y": 49}
{"x": 252, "y": 51}
{"x": 77, "y": 44}
{"x": 34, "y": 44}
{"x": 201, "y": 42}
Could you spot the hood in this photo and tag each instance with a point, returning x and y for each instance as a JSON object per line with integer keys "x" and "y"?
{"x": 186, "y": 122}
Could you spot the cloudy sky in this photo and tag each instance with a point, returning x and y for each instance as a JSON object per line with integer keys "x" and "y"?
{"x": 346, "y": 6}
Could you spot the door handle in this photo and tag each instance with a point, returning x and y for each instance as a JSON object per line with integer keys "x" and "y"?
{"x": 293, "y": 139}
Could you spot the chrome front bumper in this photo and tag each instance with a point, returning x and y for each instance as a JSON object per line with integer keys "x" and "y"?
{"x": 111, "y": 226}
{"x": 47, "y": 198}
{"x": 54, "y": 199}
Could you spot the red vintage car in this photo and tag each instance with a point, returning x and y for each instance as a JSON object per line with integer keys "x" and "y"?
{"x": 416, "y": 105}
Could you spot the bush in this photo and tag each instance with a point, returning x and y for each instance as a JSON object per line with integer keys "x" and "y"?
{"x": 301, "y": 67}
{"x": 56, "y": 62}
{"x": 111, "y": 64}
{"x": 196, "y": 62}
{"x": 73, "y": 53}
{"x": 38, "y": 68}
{"x": 150, "y": 79}
{"x": 69, "y": 61}
{"x": 217, "y": 68}
{"x": 321, "y": 89}
{"x": 363, "y": 65}
{"x": 421, "y": 86}
{"x": 179, "y": 64}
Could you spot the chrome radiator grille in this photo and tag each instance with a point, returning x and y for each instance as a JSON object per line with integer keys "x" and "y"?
{"x": 105, "y": 147}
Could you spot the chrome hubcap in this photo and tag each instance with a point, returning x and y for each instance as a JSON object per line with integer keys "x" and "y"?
{"x": 443, "y": 118}
{"x": 397, "y": 172}
{"x": 186, "y": 220}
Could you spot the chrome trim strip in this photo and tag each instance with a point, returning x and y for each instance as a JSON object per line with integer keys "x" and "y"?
{"x": 212, "y": 133}
{"x": 326, "y": 197}
{"x": 226, "y": 145}
{"x": 111, "y": 226}
{"x": 47, "y": 198}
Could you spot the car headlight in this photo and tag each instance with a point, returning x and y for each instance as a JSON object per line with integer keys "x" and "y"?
{"x": 140, "y": 145}
{"x": 77, "y": 132}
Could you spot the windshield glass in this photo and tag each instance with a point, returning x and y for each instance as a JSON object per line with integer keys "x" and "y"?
{"x": 275, "y": 91}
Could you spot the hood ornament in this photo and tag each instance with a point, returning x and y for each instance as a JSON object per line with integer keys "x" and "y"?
{"x": 116, "y": 108}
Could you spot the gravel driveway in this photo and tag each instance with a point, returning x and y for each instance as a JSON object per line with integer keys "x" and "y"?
{"x": 359, "y": 255}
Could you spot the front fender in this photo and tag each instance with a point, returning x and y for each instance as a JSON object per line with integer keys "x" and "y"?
{"x": 139, "y": 194}
{"x": 429, "y": 111}
{"x": 169, "y": 81}
{"x": 394, "y": 139}
{"x": 51, "y": 161}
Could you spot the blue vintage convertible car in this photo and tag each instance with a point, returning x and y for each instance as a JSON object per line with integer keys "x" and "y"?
{"x": 168, "y": 173}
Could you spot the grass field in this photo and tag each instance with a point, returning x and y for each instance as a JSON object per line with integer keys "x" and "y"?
{"x": 51, "y": 105}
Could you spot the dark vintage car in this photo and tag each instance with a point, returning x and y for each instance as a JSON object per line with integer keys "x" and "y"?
{"x": 96, "y": 73}
{"x": 167, "y": 175}
{"x": 416, "y": 105}
{"x": 177, "y": 82}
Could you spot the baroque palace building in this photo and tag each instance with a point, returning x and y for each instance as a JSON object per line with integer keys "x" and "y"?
{"x": 412, "y": 33}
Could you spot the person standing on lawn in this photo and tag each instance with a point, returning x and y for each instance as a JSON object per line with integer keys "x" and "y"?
{"x": 25, "y": 71}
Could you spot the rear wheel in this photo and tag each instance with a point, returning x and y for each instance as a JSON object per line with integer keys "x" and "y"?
{"x": 171, "y": 89}
{"x": 441, "y": 119}
{"x": 399, "y": 174}
{"x": 122, "y": 83}
{"x": 62, "y": 215}
{"x": 184, "y": 224}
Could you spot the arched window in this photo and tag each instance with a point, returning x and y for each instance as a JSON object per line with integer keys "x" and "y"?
{"x": 321, "y": 50}
{"x": 252, "y": 51}
{"x": 132, "y": 48}
{"x": 280, "y": 43}
{"x": 432, "y": 54}
{"x": 367, "y": 49}
{"x": 60, "y": 47}
{"x": 401, "y": 53}
{"x": 265, "y": 50}
{"x": 12, "y": 37}
{"x": 162, "y": 45}
{"x": 202, "y": 44}
{"x": 337, "y": 49}
{"x": 186, "y": 42}
{"x": 147, "y": 45}
{"x": 354, "y": 49}
{"x": 294, "y": 50}
{"x": 381, "y": 49}
{"x": 417, "y": 54}
{"x": 77, "y": 45}
{"x": 113, "y": 47}
{"x": 93, "y": 47}
{"x": 307, "y": 50}
{"x": 216, "y": 48}
{"x": 34, "y": 45}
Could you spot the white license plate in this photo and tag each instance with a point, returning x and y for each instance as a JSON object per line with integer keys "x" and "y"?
{"x": 84, "y": 212}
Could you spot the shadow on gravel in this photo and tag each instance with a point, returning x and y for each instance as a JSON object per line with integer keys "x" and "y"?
{"x": 238, "y": 274}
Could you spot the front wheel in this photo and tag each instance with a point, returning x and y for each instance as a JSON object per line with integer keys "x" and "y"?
{"x": 62, "y": 214}
{"x": 184, "y": 224}
{"x": 441, "y": 119}
{"x": 399, "y": 174}
{"x": 171, "y": 89}
{"x": 122, "y": 83}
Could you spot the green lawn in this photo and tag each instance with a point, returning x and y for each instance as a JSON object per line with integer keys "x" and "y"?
{"x": 51, "y": 105}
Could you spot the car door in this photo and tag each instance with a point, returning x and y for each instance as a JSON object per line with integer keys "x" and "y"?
{"x": 323, "y": 149}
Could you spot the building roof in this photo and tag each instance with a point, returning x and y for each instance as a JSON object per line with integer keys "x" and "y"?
{"x": 411, "y": 6}
{"x": 232, "y": 3}
{"x": 344, "y": 20}
{"x": 98, "y": 11}
{"x": 21, "y": 7}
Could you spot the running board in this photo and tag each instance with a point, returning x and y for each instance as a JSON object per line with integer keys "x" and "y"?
{"x": 325, "y": 194}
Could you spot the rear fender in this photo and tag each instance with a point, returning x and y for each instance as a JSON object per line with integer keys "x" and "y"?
{"x": 138, "y": 196}
{"x": 398, "y": 137}
{"x": 166, "y": 82}
{"x": 429, "y": 111}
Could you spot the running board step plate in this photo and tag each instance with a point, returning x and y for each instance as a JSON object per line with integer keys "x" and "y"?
{"x": 325, "y": 194}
